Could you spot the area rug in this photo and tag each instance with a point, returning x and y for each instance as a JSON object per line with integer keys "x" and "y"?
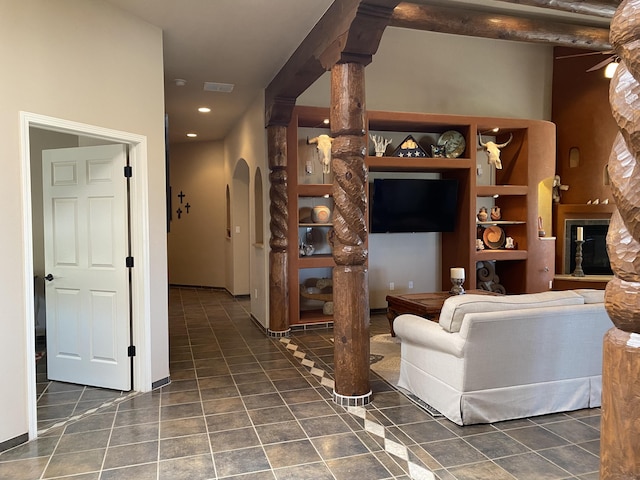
{"x": 385, "y": 361}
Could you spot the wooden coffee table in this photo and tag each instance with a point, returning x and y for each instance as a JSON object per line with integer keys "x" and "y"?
{"x": 426, "y": 305}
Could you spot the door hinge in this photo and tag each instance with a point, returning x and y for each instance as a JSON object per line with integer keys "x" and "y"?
{"x": 131, "y": 351}
{"x": 128, "y": 171}
{"x": 129, "y": 262}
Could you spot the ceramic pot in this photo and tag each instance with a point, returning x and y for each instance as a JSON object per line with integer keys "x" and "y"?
{"x": 321, "y": 214}
{"x": 482, "y": 214}
{"x": 495, "y": 213}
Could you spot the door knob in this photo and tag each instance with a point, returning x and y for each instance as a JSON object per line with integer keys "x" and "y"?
{"x": 49, "y": 278}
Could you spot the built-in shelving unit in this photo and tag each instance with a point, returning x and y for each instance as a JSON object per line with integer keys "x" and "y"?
{"x": 521, "y": 190}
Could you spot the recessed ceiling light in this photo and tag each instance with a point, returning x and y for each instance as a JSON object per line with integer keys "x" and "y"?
{"x": 192, "y": 135}
{"x": 204, "y": 109}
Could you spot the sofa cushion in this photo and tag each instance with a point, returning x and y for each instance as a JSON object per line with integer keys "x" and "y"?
{"x": 591, "y": 295}
{"x": 457, "y": 306}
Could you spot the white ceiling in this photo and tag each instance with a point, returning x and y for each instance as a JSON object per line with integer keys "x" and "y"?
{"x": 245, "y": 43}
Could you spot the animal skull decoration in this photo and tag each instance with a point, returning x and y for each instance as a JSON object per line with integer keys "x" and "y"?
{"x": 324, "y": 147}
{"x": 492, "y": 149}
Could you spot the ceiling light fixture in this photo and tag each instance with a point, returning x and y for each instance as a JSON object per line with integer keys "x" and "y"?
{"x": 326, "y": 121}
{"x": 204, "y": 109}
{"x": 192, "y": 135}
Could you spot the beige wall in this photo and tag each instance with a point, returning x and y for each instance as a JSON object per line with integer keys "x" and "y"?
{"x": 83, "y": 61}
{"x": 196, "y": 240}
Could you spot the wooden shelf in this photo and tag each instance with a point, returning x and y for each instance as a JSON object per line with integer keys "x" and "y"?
{"x": 501, "y": 222}
{"x": 493, "y": 190}
{"x": 420, "y": 164}
{"x": 315, "y": 189}
{"x": 308, "y": 317}
{"x": 501, "y": 254}
{"x": 311, "y": 224}
{"x": 316, "y": 261}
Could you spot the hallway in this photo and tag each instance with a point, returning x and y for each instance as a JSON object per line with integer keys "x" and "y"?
{"x": 245, "y": 406}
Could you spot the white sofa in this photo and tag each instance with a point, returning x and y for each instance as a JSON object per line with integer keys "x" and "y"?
{"x": 493, "y": 358}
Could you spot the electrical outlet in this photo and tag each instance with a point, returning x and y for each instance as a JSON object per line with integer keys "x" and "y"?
{"x": 550, "y": 284}
{"x": 410, "y": 284}
{"x": 392, "y": 286}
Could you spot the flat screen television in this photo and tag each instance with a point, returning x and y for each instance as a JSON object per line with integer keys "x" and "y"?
{"x": 403, "y": 205}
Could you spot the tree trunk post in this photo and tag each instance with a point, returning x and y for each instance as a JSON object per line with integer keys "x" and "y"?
{"x": 620, "y": 426}
{"x": 278, "y": 264}
{"x": 350, "y": 288}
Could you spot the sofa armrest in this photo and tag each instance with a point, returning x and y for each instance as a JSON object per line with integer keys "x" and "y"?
{"x": 420, "y": 331}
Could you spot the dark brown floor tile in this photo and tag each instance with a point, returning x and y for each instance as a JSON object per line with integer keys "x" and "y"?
{"x": 184, "y": 410}
{"x": 337, "y": 446}
{"x": 280, "y": 432}
{"x": 187, "y": 468}
{"x": 573, "y": 430}
{"x": 27, "y": 469}
{"x": 180, "y": 386}
{"x": 482, "y": 471}
{"x": 223, "y": 405}
{"x": 426, "y": 432}
{"x": 77, "y": 442}
{"x": 98, "y": 421}
{"x": 42, "y": 447}
{"x": 319, "y": 426}
{"x": 406, "y": 414}
{"x": 313, "y": 471}
{"x": 254, "y": 402}
{"x": 452, "y": 452}
{"x": 237, "y": 462}
{"x": 184, "y": 446}
{"x": 134, "y": 434}
{"x": 496, "y": 444}
{"x": 270, "y": 415}
{"x": 573, "y": 459}
{"x": 219, "y": 392}
{"x": 216, "y": 382}
{"x": 363, "y": 466}
{"x": 228, "y": 421}
{"x": 536, "y": 437}
{"x": 233, "y": 439}
{"x": 132, "y": 454}
{"x": 75, "y": 463}
{"x": 311, "y": 409}
{"x": 531, "y": 466}
{"x": 182, "y": 427}
{"x": 175, "y": 398}
{"x": 242, "y": 378}
{"x": 256, "y": 388}
{"x": 297, "y": 452}
{"x": 137, "y": 472}
{"x": 134, "y": 417}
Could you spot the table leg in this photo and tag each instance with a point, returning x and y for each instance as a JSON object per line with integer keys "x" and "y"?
{"x": 391, "y": 315}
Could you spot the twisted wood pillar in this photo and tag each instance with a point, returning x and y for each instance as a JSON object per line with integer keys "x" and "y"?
{"x": 620, "y": 430}
{"x": 278, "y": 265}
{"x": 350, "y": 289}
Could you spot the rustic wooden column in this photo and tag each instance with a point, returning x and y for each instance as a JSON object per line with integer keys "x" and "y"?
{"x": 620, "y": 428}
{"x": 350, "y": 289}
{"x": 278, "y": 265}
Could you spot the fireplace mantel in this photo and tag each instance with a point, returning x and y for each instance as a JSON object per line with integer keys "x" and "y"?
{"x": 569, "y": 211}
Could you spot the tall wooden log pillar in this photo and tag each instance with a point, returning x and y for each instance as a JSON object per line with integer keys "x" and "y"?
{"x": 620, "y": 427}
{"x": 278, "y": 265}
{"x": 350, "y": 289}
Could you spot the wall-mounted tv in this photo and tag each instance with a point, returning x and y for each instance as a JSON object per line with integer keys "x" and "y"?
{"x": 404, "y": 205}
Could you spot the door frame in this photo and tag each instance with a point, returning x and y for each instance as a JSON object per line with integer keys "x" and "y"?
{"x": 140, "y": 246}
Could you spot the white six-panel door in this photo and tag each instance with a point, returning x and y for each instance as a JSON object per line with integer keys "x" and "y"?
{"x": 86, "y": 245}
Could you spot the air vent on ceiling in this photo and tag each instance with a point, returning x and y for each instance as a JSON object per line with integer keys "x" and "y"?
{"x": 218, "y": 87}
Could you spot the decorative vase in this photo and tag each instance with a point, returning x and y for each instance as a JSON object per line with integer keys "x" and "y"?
{"x": 482, "y": 214}
{"x": 495, "y": 213}
{"x": 321, "y": 214}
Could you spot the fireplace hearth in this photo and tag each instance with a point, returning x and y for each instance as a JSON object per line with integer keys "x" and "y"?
{"x": 595, "y": 260}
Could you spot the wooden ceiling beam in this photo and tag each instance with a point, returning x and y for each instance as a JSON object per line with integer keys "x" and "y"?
{"x": 598, "y": 8}
{"x": 350, "y": 30}
{"x": 497, "y": 26}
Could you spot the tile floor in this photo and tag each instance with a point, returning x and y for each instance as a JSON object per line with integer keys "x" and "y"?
{"x": 248, "y": 407}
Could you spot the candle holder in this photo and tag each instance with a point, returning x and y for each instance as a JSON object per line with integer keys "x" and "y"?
{"x": 578, "y": 272}
{"x": 457, "y": 286}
